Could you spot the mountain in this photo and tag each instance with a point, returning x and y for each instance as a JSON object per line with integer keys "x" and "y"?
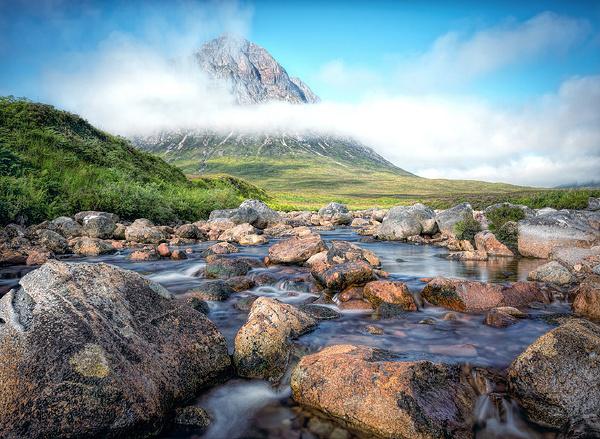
{"x": 253, "y": 76}
{"x": 55, "y": 163}
{"x": 251, "y": 73}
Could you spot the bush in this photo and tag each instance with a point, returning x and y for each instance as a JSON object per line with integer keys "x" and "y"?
{"x": 501, "y": 215}
{"x": 467, "y": 228}
{"x": 508, "y": 234}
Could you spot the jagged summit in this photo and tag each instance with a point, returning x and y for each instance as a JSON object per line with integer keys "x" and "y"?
{"x": 251, "y": 73}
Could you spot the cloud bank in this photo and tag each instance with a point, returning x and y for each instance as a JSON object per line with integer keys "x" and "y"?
{"x": 129, "y": 88}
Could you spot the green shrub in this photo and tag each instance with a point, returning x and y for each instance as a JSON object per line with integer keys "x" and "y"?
{"x": 467, "y": 228}
{"x": 508, "y": 234}
{"x": 55, "y": 163}
{"x": 501, "y": 215}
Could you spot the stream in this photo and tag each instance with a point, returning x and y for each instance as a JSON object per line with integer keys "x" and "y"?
{"x": 255, "y": 409}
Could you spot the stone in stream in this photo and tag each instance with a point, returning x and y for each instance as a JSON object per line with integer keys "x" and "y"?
{"x": 344, "y": 251}
{"x": 552, "y": 272}
{"x": 540, "y": 235}
{"x": 400, "y": 222}
{"x": 212, "y": 290}
{"x": 36, "y": 257}
{"x": 296, "y": 250}
{"x": 487, "y": 242}
{"x": 67, "y": 227}
{"x": 86, "y": 246}
{"x": 145, "y": 254}
{"x": 263, "y": 344}
{"x": 254, "y": 212}
{"x": 98, "y": 225}
{"x": 447, "y": 219}
{"x": 144, "y": 231}
{"x": 101, "y": 347}
{"x": 472, "y": 296}
{"x": 220, "y": 248}
{"x": 320, "y": 312}
{"x": 225, "y": 267}
{"x": 341, "y": 276}
{"x": 53, "y": 242}
{"x": 393, "y": 292}
{"x": 374, "y": 392}
{"x": 192, "y": 419}
{"x": 557, "y": 378}
{"x": 503, "y": 316}
{"x": 190, "y": 231}
{"x": 587, "y": 299}
{"x": 238, "y": 233}
{"x": 334, "y": 214}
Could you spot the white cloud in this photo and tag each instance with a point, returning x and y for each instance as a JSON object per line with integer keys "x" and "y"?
{"x": 337, "y": 74}
{"x": 456, "y": 58}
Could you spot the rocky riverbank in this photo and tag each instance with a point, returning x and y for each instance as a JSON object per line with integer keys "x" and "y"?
{"x": 116, "y": 353}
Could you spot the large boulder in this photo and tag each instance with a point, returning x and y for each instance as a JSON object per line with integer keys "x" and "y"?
{"x": 98, "y": 225}
{"x": 486, "y": 241}
{"x": 335, "y": 213}
{"x": 190, "y": 231}
{"x": 53, "y": 241}
{"x": 403, "y": 221}
{"x": 373, "y": 391}
{"x": 393, "y": 292}
{"x": 66, "y": 226}
{"x": 344, "y": 251}
{"x": 226, "y": 267}
{"x": 552, "y": 272}
{"x": 263, "y": 344}
{"x": 472, "y": 296}
{"x": 338, "y": 277}
{"x": 144, "y": 231}
{"x": 90, "y": 350}
{"x": 587, "y": 298}
{"x": 540, "y": 235}
{"x": 91, "y": 246}
{"x": 296, "y": 250}
{"x": 557, "y": 378}
{"x": 447, "y": 219}
{"x": 79, "y": 217}
{"x": 238, "y": 233}
{"x": 253, "y": 212}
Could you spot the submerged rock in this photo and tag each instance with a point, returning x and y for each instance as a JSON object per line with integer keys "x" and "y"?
{"x": 101, "y": 347}
{"x": 503, "y": 316}
{"x": 557, "y": 378}
{"x": 263, "y": 344}
{"x": 374, "y": 392}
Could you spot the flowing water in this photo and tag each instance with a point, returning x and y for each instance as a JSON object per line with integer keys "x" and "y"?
{"x": 253, "y": 408}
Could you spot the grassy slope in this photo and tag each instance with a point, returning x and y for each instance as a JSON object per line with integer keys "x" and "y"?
{"x": 55, "y": 163}
{"x": 309, "y": 184}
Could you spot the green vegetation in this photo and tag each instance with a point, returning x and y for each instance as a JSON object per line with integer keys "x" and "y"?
{"x": 55, "y": 163}
{"x": 508, "y": 234}
{"x": 501, "y": 215}
{"x": 467, "y": 228}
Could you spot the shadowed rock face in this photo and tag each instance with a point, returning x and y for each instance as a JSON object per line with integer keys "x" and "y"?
{"x": 251, "y": 73}
{"x": 557, "y": 378}
{"x": 94, "y": 350}
{"x": 373, "y": 392}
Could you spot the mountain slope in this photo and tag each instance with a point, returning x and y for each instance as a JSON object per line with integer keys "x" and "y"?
{"x": 55, "y": 163}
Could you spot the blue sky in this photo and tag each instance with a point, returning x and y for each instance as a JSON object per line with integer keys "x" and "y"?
{"x": 372, "y": 38}
{"x": 498, "y": 91}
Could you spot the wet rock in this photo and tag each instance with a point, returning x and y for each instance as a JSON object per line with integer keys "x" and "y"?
{"x": 245, "y": 303}
{"x": 163, "y": 250}
{"x": 53, "y": 242}
{"x": 37, "y": 257}
{"x": 296, "y": 250}
{"x": 393, "y": 292}
{"x": 212, "y": 290}
{"x": 252, "y": 239}
{"x": 67, "y": 227}
{"x": 143, "y": 255}
{"x": 79, "y": 342}
{"x": 11, "y": 257}
{"x": 355, "y": 305}
{"x": 142, "y": 230}
{"x": 237, "y": 233}
{"x": 552, "y": 272}
{"x": 556, "y": 379}
{"x": 220, "y": 248}
{"x": 343, "y": 251}
{"x": 263, "y": 344}
{"x": 241, "y": 283}
{"x": 192, "y": 419}
{"x": 404, "y": 221}
{"x": 373, "y": 392}
{"x": 447, "y": 219}
{"x": 226, "y": 267}
{"x": 471, "y": 296}
{"x": 190, "y": 231}
{"x": 91, "y": 246}
{"x": 98, "y": 225}
{"x": 351, "y": 293}
{"x": 503, "y": 316}
{"x": 178, "y": 255}
{"x": 320, "y": 312}
{"x": 478, "y": 255}
{"x": 587, "y": 299}
{"x": 486, "y": 241}
{"x": 374, "y": 329}
{"x": 341, "y": 276}
{"x": 540, "y": 235}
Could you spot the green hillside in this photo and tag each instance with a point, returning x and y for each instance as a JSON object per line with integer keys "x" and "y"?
{"x": 55, "y": 163}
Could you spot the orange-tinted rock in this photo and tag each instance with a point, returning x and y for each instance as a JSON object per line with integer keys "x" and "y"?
{"x": 355, "y": 305}
{"x": 487, "y": 242}
{"x": 394, "y": 292}
{"x": 296, "y": 250}
{"x": 178, "y": 255}
{"x": 37, "y": 257}
{"x": 341, "y": 276}
{"x": 144, "y": 255}
{"x": 163, "y": 250}
{"x": 352, "y": 293}
{"x": 587, "y": 300}
{"x": 373, "y": 392}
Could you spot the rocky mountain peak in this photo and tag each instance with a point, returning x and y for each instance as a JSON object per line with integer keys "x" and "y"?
{"x": 250, "y": 72}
